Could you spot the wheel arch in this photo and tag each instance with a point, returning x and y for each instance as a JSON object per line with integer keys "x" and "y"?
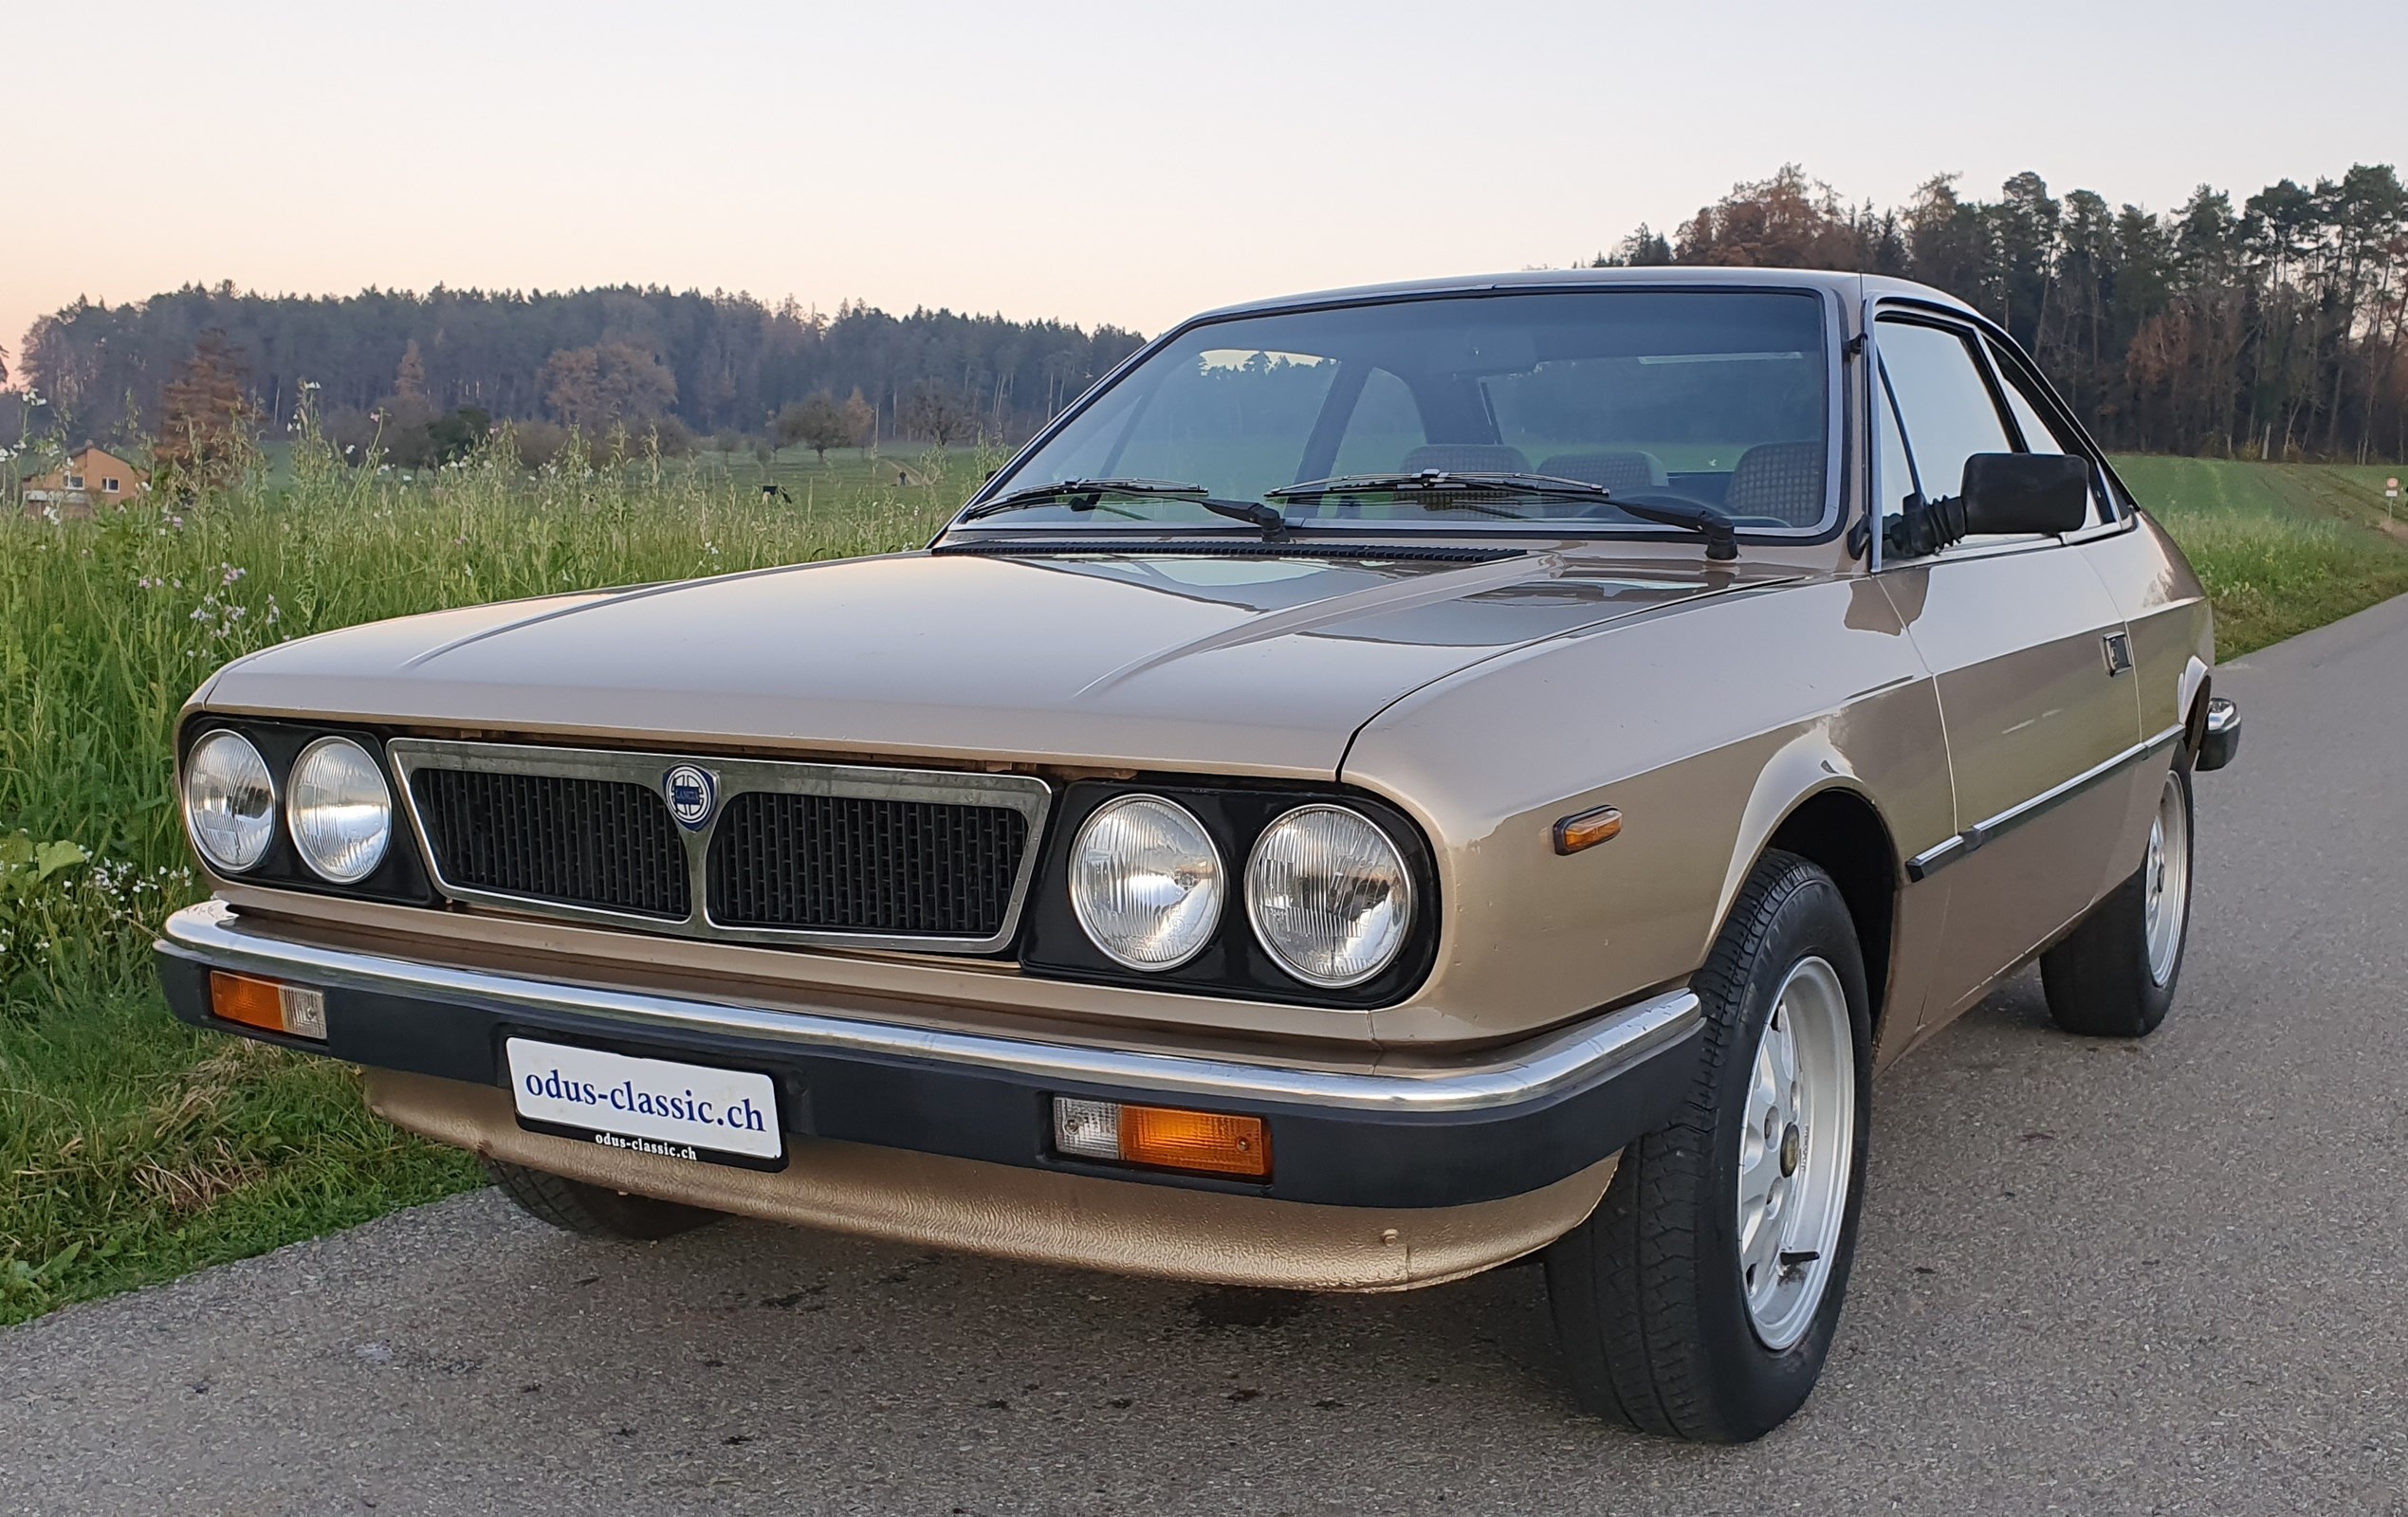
{"x": 1839, "y": 830}
{"x": 1811, "y": 803}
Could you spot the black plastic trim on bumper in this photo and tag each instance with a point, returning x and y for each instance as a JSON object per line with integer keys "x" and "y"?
{"x": 1321, "y": 1152}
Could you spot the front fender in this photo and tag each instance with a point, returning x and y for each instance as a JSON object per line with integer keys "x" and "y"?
{"x": 1705, "y": 727}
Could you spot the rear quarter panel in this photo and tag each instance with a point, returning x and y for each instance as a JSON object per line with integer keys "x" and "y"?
{"x": 2166, "y": 609}
{"x": 1706, "y": 725}
{"x": 2173, "y": 656}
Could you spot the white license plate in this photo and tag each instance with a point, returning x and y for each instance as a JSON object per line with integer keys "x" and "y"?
{"x": 646, "y": 1106}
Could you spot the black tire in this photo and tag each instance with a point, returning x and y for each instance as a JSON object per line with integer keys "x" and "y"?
{"x": 593, "y": 1210}
{"x": 2097, "y": 978}
{"x": 1647, "y": 1293}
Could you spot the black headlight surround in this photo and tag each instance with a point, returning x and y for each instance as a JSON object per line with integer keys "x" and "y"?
{"x": 400, "y": 878}
{"x": 1233, "y": 964}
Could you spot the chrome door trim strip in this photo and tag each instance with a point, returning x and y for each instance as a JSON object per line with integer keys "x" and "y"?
{"x": 1932, "y": 860}
{"x": 213, "y": 933}
{"x": 1029, "y": 796}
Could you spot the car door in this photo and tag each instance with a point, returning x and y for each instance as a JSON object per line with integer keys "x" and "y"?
{"x": 2027, "y": 650}
{"x": 2159, "y": 599}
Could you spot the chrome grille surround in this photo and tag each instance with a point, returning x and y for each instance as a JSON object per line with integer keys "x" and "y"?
{"x": 1026, "y": 795}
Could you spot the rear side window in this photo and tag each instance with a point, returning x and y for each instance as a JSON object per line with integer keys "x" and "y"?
{"x": 2040, "y": 435}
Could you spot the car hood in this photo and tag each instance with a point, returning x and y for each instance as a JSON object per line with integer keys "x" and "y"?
{"x": 1246, "y": 665}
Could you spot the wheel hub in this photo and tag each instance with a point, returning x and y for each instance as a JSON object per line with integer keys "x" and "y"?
{"x": 1797, "y": 1151}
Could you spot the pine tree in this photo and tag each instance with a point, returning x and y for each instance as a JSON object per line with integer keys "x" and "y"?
{"x": 205, "y": 414}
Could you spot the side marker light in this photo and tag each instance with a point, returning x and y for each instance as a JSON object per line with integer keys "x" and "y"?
{"x": 1587, "y": 830}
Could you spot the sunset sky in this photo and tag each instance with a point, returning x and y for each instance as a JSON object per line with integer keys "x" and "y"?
{"x": 1109, "y": 162}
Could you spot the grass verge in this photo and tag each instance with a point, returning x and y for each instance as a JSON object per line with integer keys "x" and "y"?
{"x": 142, "y": 1148}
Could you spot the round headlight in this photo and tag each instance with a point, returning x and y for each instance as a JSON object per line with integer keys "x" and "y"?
{"x": 229, "y": 801}
{"x": 1145, "y": 881}
{"x": 1329, "y": 895}
{"x": 341, "y": 812}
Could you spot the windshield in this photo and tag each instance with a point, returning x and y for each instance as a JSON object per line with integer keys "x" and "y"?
{"x": 1702, "y": 399}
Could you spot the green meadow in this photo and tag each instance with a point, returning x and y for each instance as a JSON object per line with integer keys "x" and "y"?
{"x": 132, "y": 1149}
{"x": 2281, "y": 547}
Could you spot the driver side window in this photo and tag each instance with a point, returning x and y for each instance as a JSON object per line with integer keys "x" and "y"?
{"x": 1945, "y": 402}
{"x": 1946, "y": 408}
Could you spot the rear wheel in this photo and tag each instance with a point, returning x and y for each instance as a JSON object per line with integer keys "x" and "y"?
{"x": 1700, "y": 1299}
{"x": 2114, "y": 975}
{"x": 593, "y": 1210}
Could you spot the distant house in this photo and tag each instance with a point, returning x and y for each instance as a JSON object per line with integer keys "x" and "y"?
{"x": 91, "y": 476}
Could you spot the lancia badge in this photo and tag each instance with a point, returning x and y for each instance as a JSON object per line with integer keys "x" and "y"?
{"x": 691, "y": 796}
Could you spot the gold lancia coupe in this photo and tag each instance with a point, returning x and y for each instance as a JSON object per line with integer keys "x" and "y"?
{"x": 1389, "y": 783}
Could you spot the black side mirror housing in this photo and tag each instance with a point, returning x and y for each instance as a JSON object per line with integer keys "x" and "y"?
{"x": 2026, "y": 492}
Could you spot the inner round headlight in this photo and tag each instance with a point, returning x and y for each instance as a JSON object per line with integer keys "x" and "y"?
{"x": 1329, "y": 895}
{"x": 340, "y": 811}
{"x": 229, "y": 801}
{"x": 1145, "y": 883}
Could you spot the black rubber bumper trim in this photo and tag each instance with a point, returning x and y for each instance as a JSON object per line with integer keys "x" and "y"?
{"x": 1321, "y": 1154}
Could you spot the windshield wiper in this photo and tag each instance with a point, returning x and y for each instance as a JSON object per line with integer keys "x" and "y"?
{"x": 1085, "y": 495}
{"x": 1436, "y": 481}
{"x": 1721, "y": 540}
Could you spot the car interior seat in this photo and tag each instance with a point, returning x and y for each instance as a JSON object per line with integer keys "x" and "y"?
{"x": 1782, "y": 480}
{"x": 1628, "y": 472}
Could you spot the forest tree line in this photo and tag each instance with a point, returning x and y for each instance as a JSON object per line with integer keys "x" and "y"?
{"x": 2273, "y": 328}
{"x": 2276, "y": 327}
{"x": 699, "y": 363}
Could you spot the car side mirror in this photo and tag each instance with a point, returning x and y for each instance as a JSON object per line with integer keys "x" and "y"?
{"x": 2026, "y": 492}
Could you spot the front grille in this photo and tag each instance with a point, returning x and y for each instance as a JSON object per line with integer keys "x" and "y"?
{"x": 865, "y": 863}
{"x": 586, "y": 842}
{"x": 794, "y": 853}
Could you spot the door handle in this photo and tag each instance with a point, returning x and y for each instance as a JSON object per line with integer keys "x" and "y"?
{"x": 2118, "y": 648}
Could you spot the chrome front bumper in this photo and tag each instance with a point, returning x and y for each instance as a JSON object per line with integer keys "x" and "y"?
{"x": 1502, "y": 1123}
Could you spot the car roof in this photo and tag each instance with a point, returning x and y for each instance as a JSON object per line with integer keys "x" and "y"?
{"x": 1663, "y": 276}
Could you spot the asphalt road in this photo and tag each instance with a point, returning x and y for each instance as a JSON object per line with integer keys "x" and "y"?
{"x": 2163, "y": 1277}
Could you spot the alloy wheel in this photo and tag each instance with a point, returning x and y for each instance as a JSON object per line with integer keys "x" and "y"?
{"x": 1796, "y": 1153}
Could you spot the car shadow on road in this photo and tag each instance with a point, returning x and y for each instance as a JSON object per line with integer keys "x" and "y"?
{"x": 749, "y": 1337}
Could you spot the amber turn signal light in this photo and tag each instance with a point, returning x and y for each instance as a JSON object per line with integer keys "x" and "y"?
{"x": 1587, "y": 830}
{"x": 271, "y": 1007}
{"x": 1206, "y": 1143}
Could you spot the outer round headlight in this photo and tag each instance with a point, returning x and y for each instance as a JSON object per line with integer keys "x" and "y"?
{"x": 1329, "y": 895}
{"x": 1145, "y": 882}
{"x": 229, "y": 801}
{"x": 340, "y": 811}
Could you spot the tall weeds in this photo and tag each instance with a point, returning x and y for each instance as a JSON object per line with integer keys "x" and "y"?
{"x": 106, "y": 626}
